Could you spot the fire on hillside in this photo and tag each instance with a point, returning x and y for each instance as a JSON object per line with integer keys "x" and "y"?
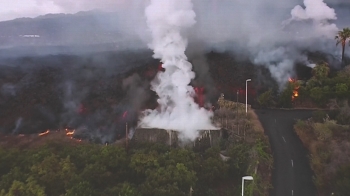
{"x": 295, "y": 87}
{"x": 44, "y": 133}
{"x": 69, "y": 133}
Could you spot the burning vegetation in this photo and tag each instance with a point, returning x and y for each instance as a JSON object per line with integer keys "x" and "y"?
{"x": 69, "y": 133}
{"x": 44, "y": 133}
{"x": 295, "y": 86}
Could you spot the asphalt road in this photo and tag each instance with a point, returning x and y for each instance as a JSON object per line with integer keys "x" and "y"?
{"x": 292, "y": 174}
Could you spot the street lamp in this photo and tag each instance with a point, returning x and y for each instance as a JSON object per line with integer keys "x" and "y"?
{"x": 245, "y": 178}
{"x": 246, "y": 95}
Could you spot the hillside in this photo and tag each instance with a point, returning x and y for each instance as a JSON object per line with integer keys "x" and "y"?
{"x": 90, "y": 27}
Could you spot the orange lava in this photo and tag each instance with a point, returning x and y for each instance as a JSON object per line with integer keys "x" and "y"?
{"x": 45, "y": 133}
{"x": 70, "y": 132}
{"x": 78, "y": 140}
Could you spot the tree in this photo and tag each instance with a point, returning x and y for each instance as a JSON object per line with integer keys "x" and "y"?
{"x": 127, "y": 189}
{"x": 142, "y": 162}
{"x": 15, "y": 174}
{"x": 320, "y": 72}
{"x": 30, "y": 188}
{"x": 343, "y": 37}
{"x": 54, "y": 174}
{"x": 96, "y": 174}
{"x": 239, "y": 164}
{"x": 265, "y": 99}
{"x": 285, "y": 98}
{"x": 341, "y": 90}
{"x": 341, "y": 183}
{"x": 81, "y": 188}
{"x": 316, "y": 94}
{"x": 172, "y": 180}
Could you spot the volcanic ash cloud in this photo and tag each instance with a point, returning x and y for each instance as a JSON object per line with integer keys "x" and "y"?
{"x": 177, "y": 110}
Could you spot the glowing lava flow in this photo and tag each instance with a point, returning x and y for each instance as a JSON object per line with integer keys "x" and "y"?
{"x": 295, "y": 86}
{"x": 69, "y": 132}
{"x": 199, "y": 97}
{"x": 44, "y": 133}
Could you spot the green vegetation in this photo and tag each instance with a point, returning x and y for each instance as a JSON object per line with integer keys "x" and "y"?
{"x": 343, "y": 37}
{"x": 57, "y": 168}
{"x": 328, "y": 141}
{"x": 327, "y": 134}
{"x": 266, "y": 99}
{"x": 247, "y": 145}
{"x": 318, "y": 91}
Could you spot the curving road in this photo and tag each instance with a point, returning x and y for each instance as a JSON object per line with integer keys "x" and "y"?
{"x": 292, "y": 174}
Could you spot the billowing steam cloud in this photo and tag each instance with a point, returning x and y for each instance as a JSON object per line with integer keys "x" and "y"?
{"x": 178, "y": 111}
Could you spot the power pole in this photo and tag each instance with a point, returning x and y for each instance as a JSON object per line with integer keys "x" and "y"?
{"x": 126, "y": 135}
{"x": 237, "y": 112}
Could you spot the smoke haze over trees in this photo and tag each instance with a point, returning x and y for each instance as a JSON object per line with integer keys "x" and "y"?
{"x": 269, "y": 33}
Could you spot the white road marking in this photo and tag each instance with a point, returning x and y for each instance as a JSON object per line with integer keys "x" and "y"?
{"x": 292, "y": 162}
{"x": 284, "y": 140}
{"x": 292, "y": 192}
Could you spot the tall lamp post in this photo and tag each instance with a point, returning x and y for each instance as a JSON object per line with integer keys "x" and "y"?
{"x": 245, "y": 178}
{"x": 246, "y": 95}
{"x": 237, "y": 112}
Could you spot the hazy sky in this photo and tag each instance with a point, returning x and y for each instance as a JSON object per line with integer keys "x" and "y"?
{"x": 10, "y": 9}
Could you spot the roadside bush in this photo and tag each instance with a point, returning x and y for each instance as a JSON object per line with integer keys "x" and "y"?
{"x": 343, "y": 117}
{"x": 341, "y": 182}
{"x": 300, "y": 124}
{"x": 319, "y": 116}
{"x": 333, "y": 114}
{"x": 304, "y": 131}
{"x": 322, "y": 131}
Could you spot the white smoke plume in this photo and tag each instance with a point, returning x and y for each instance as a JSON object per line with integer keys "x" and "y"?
{"x": 178, "y": 111}
{"x": 320, "y": 14}
{"x": 302, "y": 31}
{"x": 314, "y": 9}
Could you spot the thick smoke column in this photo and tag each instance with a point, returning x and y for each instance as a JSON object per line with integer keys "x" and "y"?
{"x": 308, "y": 26}
{"x": 178, "y": 111}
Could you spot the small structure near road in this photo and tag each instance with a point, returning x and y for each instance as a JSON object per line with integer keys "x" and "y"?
{"x": 170, "y": 137}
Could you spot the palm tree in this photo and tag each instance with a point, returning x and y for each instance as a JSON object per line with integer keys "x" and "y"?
{"x": 342, "y": 37}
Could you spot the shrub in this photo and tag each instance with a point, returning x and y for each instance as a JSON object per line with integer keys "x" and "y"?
{"x": 265, "y": 100}
{"x": 322, "y": 131}
{"x": 341, "y": 182}
{"x": 319, "y": 116}
{"x": 301, "y": 126}
{"x": 343, "y": 119}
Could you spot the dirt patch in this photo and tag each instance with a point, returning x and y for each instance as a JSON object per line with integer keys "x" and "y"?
{"x": 256, "y": 122}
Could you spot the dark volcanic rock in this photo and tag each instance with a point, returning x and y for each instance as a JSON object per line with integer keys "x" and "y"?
{"x": 97, "y": 94}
